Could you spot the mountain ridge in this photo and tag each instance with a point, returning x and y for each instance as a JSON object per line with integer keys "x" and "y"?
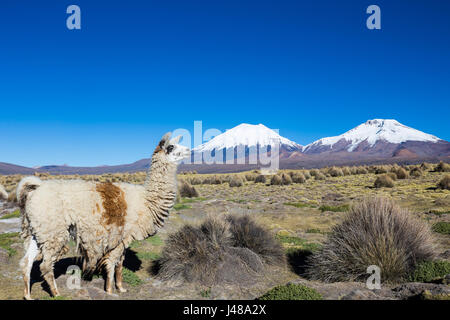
{"x": 373, "y": 141}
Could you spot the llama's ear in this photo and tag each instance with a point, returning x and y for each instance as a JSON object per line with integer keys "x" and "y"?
{"x": 175, "y": 140}
{"x": 165, "y": 140}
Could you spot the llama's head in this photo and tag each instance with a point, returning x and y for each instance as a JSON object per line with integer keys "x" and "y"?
{"x": 171, "y": 150}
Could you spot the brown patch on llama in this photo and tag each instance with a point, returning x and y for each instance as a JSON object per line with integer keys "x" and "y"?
{"x": 114, "y": 204}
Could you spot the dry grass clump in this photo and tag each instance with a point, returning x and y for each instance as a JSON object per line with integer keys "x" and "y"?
{"x": 402, "y": 173}
{"x": 260, "y": 179}
{"x": 306, "y": 174}
{"x": 276, "y": 180}
{"x": 383, "y": 181}
{"x": 320, "y": 176}
{"x": 232, "y": 249}
{"x": 375, "y": 232}
{"x": 286, "y": 179}
{"x": 196, "y": 181}
{"x": 346, "y": 171}
{"x": 236, "y": 181}
{"x": 250, "y": 177}
{"x": 392, "y": 175}
{"x": 314, "y": 172}
{"x": 415, "y": 172}
{"x": 298, "y": 178}
{"x": 381, "y": 170}
{"x": 361, "y": 170}
{"x": 442, "y": 167}
{"x": 425, "y": 166}
{"x": 444, "y": 183}
{"x": 335, "y": 172}
{"x": 186, "y": 190}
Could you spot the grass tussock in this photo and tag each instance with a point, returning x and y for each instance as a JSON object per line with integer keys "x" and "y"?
{"x": 222, "y": 249}
{"x": 374, "y": 232}
{"x": 442, "y": 167}
{"x": 186, "y": 190}
{"x": 444, "y": 183}
{"x": 236, "y": 181}
{"x": 383, "y": 181}
{"x": 402, "y": 173}
{"x": 260, "y": 179}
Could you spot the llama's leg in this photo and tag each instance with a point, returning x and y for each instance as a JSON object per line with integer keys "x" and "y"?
{"x": 119, "y": 268}
{"x": 27, "y": 264}
{"x": 113, "y": 259}
{"x": 50, "y": 256}
{"x": 109, "y": 266}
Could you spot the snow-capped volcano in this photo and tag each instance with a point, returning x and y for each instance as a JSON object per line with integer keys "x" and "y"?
{"x": 248, "y": 135}
{"x": 370, "y": 134}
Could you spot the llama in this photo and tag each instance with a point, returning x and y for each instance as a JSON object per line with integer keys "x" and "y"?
{"x": 3, "y": 193}
{"x": 104, "y": 218}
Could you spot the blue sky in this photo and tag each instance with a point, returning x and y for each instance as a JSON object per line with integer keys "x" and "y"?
{"x": 106, "y": 93}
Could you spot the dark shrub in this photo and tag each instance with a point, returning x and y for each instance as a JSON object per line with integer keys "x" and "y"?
{"x": 187, "y": 191}
{"x": 392, "y": 175}
{"x": 221, "y": 250}
{"x": 291, "y": 292}
{"x": 196, "y": 181}
{"x": 236, "y": 181}
{"x": 402, "y": 173}
{"x": 444, "y": 183}
{"x": 374, "y": 232}
{"x": 361, "y": 170}
{"x": 320, "y": 176}
{"x": 442, "y": 167}
{"x": 248, "y": 234}
{"x": 276, "y": 180}
{"x": 335, "y": 172}
{"x": 313, "y": 172}
{"x": 260, "y": 179}
{"x": 298, "y": 178}
{"x": 383, "y": 181}
{"x": 306, "y": 175}
{"x": 286, "y": 179}
{"x": 415, "y": 172}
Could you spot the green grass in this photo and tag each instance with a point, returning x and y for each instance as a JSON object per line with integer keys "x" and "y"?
{"x": 155, "y": 240}
{"x": 191, "y": 200}
{"x": 341, "y": 208}
{"x": 7, "y": 239}
{"x": 291, "y": 292}
{"x": 298, "y": 242}
{"x": 131, "y": 278}
{"x": 299, "y": 204}
{"x": 181, "y": 206}
{"x": 430, "y": 270}
{"x": 313, "y": 231}
{"x": 15, "y": 214}
{"x": 148, "y": 256}
{"x": 134, "y": 244}
{"x": 442, "y": 227}
{"x": 205, "y": 293}
{"x": 237, "y": 200}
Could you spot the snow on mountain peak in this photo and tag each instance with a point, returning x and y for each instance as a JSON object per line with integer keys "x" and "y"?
{"x": 372, "y": 131}
{"x": 247, "y": 135}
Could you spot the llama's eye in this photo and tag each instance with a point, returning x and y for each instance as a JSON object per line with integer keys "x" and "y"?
{"x": 170, "y": 149}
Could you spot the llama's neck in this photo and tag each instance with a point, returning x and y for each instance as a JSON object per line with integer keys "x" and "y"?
{"x": 160, "y": 189}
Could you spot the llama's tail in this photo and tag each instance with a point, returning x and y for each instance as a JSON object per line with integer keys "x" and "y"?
{"x": 26, "y": 185}
{"x": 3, "y": 193}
